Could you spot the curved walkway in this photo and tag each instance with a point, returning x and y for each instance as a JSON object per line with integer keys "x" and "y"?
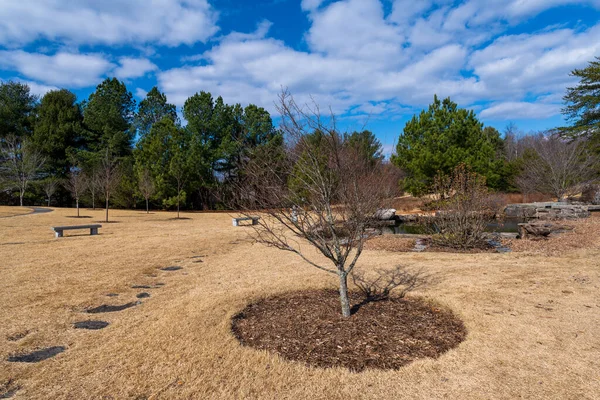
{"x": 40, "y": 210}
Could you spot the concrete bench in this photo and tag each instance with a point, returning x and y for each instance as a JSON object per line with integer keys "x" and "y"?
{"x": 58, "y": 230}
{"x": 236, "y": 221}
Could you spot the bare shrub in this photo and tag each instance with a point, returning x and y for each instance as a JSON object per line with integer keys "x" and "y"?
{"x": 464, "y": 208}
{"x": 382, "y": 282}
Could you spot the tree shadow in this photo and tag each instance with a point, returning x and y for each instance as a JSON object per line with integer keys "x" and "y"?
{"x": 379, "y": 285}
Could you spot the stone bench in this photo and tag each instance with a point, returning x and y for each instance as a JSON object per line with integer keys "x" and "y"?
{"x": 236, "y": 221}
{"x": 58, "y": 230}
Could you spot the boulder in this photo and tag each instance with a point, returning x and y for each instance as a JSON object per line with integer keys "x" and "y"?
{"x": 541, "y": 229}
{"x": 384, "y": 214}
{"x": 591, "y": 195}
{"x": 562, "y": 212}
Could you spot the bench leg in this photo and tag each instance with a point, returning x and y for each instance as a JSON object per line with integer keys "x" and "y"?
{"x": 93, "y": 231}
{"x": 254, "y": 222}
{"x": 235, "y": 222}
{"x": 58, "y": 234}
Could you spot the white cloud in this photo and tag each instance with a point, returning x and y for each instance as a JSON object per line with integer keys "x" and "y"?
{"x": 134, "y": 67}
{"x": 520, "y": 110}
{"x": 167, "y": 22}
{"x": 310, "y": 5}
{"x": 141, "y": 93}
{"x": 61, "y": 69}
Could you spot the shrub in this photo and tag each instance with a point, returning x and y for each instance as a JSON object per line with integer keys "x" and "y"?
{"x": 464, "y": 208}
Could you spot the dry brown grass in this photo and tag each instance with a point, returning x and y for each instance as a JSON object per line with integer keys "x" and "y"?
{"x": 6, "y": 211}
{"x": 532, "y": 320}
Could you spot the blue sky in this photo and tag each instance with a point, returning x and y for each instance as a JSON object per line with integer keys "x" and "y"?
{"x": 375, "y": 62}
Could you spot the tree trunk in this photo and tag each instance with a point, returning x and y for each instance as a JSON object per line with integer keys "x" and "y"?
{"x": 177, "y": 205}
{"x": 147, "y": 212}
{"x": 106, "y": 208}
{"x": 48, "y": 201}
{"x": 93, "y": 202}
{"x": 77, "y": 205}
{"x": 344, "y": 294}
{"x": 21, "y": 194}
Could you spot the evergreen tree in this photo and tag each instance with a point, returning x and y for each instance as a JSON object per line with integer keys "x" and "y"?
{"x": 108, "y": 116}
{"x": 17, "y": 110}
{"x": 442, "y": 137}
{"x": 58, "y": 129}
{"x": 152, "y": 110}
{"x": 366, "y": 144}
{"x": 582, "y": 103}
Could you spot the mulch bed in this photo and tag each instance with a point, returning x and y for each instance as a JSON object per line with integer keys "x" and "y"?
{"x": 308, "y": 327}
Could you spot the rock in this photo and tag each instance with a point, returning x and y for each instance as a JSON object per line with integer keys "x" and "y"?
{"x": 591, "y": 195}
{"x": 547, "y": 211}
{"x": 421, "y": 245}
{"x": 562, "y": 212}
{"x": 384, "y": 214}
{"x": 143, "y": 295}
{"x": 541, "y": 229}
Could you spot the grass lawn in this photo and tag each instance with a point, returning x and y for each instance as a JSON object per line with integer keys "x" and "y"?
{"x": 532, "y": 316}
{"x": 6, "y": 211}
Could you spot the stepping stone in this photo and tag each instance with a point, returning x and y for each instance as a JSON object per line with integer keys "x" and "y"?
{"x": 37, "y": 356}
{"x": 141, "y": 287}
{"x": 159, "y": 284}
{"x": 92, "y": 325}
{"x": 106, "y": 308}
{"x": 143, "y": 295}
{"x": 112, "y": 295}
{"x": 173, "y": 268}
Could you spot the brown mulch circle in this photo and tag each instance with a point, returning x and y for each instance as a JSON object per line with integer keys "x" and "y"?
{"x": 308, "y": 327}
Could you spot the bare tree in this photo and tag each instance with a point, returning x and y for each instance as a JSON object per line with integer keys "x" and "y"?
{"x": 76, "y": 184}
{"x": 557, "y": 166}
{"x": 20, "y": 163}
{"x": 109, "y": 176}
{"x": 146, "y": 186}
{"x": 316, "y": 190}
{"x": 94, "y": 185}
{"x": 50, "y": 185}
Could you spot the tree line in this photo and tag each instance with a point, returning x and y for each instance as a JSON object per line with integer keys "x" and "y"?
{"x": 108, "y": 148}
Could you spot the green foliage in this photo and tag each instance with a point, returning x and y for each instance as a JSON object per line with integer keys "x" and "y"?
{"x": 442, "y": 137}
{"x": 582, "y": 103}
{"x": 153, "y": 153}
{"x": 17, "y": 109}
{"x": 152, "y": 110}
{"x": 170, "y": 203}
{"x": 366, "y": 144}
{"x": 108, "y": 116}
{"x": 58, "y": 130}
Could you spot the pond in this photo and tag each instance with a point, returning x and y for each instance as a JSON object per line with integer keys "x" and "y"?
{"x": 508, "y": 225}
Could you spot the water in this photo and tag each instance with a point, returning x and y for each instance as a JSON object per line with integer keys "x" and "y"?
{"x": 508, "y": 225}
